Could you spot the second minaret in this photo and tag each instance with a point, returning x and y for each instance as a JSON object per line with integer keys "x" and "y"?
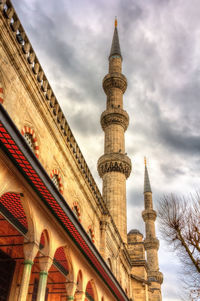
{"x": 151, "y": 243}
{"x": 114, "y": 166}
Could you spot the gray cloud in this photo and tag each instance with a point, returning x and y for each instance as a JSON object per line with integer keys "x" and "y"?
{"x": 179, "y": 140}
{"x": 171, "y": 171}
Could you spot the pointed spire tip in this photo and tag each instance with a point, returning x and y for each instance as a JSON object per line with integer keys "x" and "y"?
{"x": 115, "y": 21}
{"x": 115, "y": 47}
{"x": 147, "y": 185}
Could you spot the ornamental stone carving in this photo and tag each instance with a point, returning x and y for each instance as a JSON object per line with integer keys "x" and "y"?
{"x": 151, "y": 243}
{"x": 114, "y": 80}
{"x": 149, "y": 214}
{"x": 155, "y": 276}
{"x": 114, "y": 162}
{"x": 114, "y": 116}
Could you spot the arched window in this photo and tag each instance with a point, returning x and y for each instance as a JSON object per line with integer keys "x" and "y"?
{"x": 91, "y": 291}
{"x": 76, "y": 210}
{"x": 30, "y": 137}
{"x": 109, "y": 263}
{"x": 56, "y": 179}
{"x": 90, "y": 233}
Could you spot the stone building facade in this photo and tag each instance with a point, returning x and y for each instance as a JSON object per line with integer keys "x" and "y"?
{"x": 51, "y": 248}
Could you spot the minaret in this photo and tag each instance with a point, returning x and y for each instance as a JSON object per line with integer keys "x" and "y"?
{"x": 114, "y": 166}
{"x": 151, "y": 243}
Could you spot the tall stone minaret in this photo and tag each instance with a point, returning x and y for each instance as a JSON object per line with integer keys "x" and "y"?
{"x": 151, "y": 243}
{"x": 114, "y": 166}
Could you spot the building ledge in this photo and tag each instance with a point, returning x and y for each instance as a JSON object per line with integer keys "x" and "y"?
{"x": 139, "y": 279}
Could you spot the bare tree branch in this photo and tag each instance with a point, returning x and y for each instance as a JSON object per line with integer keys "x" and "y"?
{"x": 179, "y": 220}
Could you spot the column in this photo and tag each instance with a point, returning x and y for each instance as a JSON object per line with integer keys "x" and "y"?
{"x": 71, "y": 289}
{"x": 80, "y": 296}
{"x": 30, "y": 251}
{"x": 45, "y": 264}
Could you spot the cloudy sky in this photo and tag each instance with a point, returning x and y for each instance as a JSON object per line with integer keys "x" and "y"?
{"x": 160, "y": 42}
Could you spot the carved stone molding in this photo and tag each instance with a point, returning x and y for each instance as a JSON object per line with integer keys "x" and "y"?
{"x": 152, "y": 243}
{"x": 114, "y": 116}
{"x": 149, "y": 214}
{"x": 139, "y": 263}
{"x": 114, "y": 162}
{"x": 114, "y": 80}
{"x": 155, "y": 276}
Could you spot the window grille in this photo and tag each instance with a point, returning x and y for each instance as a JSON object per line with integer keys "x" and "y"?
{"x": 29, "y": 139}
{"x": 56, "y": 181}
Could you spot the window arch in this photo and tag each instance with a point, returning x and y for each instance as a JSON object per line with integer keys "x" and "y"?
{"x": 109, "y": 263}
{"x": 12, "y": 208}
{"x": 91, "y": 291}
{"x": 56, "y": 179}
{"x": 76, "y": 210}
{"x": 90, "y": 233}
{"x": 30, "y": 137}
{"x": 61, "y": 261}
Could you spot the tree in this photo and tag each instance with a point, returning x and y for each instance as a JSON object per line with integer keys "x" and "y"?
{"x": 180, "y": 227}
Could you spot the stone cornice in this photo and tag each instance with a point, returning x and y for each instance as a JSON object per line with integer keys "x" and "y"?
{"x": 114, "y": 80}
{"x": 114, "y": 162}
{"x": 137, "y": 263}
{"x": 114, "y": 116}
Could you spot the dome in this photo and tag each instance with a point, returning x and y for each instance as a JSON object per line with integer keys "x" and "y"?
{"x": 134, "y": 231}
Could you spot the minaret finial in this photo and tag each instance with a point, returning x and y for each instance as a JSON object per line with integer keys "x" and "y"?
{"x": 115, "y": 21}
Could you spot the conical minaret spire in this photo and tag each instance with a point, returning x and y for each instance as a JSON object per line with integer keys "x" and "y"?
{"x": 115, "y": 47}
{"x": 114, "y": 166}
{"x": 147, "y": 186}
{"x": 151, "y": 243}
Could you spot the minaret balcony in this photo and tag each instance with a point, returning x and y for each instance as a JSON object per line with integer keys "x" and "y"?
{"x": 114, "y": 162}
{"x": 114, "y": 80}
{"x": 155, "y": 276}
{"x": 149, "y": 214}
{"x": 151, "y": 243}
{"x": 114, "y": 116}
